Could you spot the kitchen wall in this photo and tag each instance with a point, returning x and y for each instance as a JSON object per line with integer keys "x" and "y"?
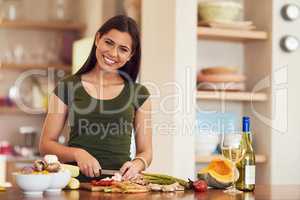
{"x": 285, "y": 134}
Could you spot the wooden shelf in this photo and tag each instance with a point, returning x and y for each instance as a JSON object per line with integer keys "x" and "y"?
{"x": 17, "y": 111}
{"x": 230, "y": 34}
{"x": 34, "y": 66}
{"x": 206, "y": 159}
{"x": 231, "y": 96}
{"x": 43, "y": 25}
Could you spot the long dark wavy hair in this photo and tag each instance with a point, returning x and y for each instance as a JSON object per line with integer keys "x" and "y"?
{"x": 121, "y": 23}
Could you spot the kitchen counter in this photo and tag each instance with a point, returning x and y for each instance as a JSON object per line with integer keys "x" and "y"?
{"x": 261, "y": 193}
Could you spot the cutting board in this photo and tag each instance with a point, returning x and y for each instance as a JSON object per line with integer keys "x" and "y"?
{"x": 113, "y": 189}
{"x": 90, "y": 187}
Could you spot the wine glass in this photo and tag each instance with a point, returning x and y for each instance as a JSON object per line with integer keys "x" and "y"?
{"x": 232, "y": 150}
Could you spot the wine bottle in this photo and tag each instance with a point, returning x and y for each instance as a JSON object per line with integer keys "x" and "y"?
{"x": 246, "y": 166}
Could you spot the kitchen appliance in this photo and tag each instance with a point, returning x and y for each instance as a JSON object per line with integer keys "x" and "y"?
{"x": 290, "y": 12}
{"x": 28, "y": 148}
{"x": 29, "y": 135}
{"x": 289, "y": 43}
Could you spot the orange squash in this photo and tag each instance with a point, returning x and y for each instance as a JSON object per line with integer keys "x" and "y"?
{"x": 218, "y": 174}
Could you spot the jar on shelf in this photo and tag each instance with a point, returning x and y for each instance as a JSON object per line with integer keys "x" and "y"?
{"x": 12, "y": 10}
{"x": 59, "y": 10}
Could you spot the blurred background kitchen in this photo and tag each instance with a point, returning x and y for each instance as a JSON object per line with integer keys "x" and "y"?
{"x": 245, "y": 65}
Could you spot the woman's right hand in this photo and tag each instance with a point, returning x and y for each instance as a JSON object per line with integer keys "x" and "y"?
{"x": 88, "y": 165}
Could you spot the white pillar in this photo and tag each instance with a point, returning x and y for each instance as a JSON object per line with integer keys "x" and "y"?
{"x": 169, "y": 44}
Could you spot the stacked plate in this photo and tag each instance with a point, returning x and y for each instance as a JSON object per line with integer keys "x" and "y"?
{"x": 221, "y": 78}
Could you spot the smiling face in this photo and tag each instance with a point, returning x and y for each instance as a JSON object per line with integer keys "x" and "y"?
{"x": 114, "y": 49}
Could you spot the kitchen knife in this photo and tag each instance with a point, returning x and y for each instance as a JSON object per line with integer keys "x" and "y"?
{"x": 109, "y": 172}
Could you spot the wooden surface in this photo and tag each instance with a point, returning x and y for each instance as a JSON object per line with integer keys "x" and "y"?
{"x": 231, "y": 96}
{"x": 261, "y": 193}
{"x": 207, "y": 159}
{"x": 228, "y": 34}
{"x": 40, "y": 25}
{"x": 89, "y": 187}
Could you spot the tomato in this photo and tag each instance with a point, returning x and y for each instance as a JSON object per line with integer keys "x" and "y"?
{"x": 200, "y": 186}
{"x": 102, "y": 182}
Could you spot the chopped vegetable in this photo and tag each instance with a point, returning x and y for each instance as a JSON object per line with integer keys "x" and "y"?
{"x": 117, "y": 177}
{"x": 53, "y": 167}
{"x": 73, "y": 184}
{"x": 102, "y": 182}
{"x": 155, "y": 187}
{"x": 74, "y": 170}
{"x": 27, "y": 170}
{"x": 51, "y": 159}
{"x": 164, "y": 179}
{"x": 39, "y": 165}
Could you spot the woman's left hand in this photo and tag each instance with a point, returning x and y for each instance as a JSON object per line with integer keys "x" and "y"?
{"x": 130, "y": 169}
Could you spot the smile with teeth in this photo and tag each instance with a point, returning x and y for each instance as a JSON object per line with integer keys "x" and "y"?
{"x": 108, "y": 60}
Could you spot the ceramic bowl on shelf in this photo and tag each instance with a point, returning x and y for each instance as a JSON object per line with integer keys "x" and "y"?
{"x": 219, "y": 11}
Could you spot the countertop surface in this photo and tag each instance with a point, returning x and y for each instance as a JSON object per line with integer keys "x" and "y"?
{"x": 291, "y": 192}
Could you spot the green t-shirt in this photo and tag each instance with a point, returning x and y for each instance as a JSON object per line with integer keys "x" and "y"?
{"x": 101, "y": 127}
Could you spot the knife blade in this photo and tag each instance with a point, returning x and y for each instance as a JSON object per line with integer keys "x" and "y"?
{"x": 109, "y": 172}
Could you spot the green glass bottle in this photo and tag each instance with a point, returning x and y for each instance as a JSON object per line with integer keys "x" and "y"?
{"x": 246, "y": 166}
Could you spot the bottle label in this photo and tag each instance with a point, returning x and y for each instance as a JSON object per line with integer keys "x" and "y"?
{"x": 250, "y": 174}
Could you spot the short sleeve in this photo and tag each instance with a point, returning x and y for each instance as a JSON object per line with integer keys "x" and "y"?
{"x": 141, "y": 95}
{"x": 61, "y": 91}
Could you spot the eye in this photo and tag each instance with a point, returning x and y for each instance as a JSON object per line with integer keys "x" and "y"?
{"x": 124, "y": 50}
{"x": 109, "y": 42}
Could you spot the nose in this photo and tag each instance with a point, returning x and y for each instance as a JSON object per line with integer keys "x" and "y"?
{"x": 113, "y": 51}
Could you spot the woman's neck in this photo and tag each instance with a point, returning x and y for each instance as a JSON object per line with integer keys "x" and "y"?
{"x": 100, "y": 76}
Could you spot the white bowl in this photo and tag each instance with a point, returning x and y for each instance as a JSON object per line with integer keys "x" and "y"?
{"x": 33, "y": 184}
{"x": 221, "y": 11}
{"x": 59, "y": 180}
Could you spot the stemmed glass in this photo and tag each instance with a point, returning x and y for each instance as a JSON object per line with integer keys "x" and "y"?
{"x": 232, "y": 150}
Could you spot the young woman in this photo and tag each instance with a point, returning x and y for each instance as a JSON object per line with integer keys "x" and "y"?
{"x": 103, "y": 106}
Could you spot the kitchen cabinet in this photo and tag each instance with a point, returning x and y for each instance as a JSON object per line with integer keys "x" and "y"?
{"x": 77, "y": 28}
{"x": 241, "y": 46}
{"x": 173, "y": 48}
{"x": 35, "y": 40}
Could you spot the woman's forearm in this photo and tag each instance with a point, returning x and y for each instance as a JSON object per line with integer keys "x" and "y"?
{"x": 147, "y": 155}
{"x": 64, "y": 153}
